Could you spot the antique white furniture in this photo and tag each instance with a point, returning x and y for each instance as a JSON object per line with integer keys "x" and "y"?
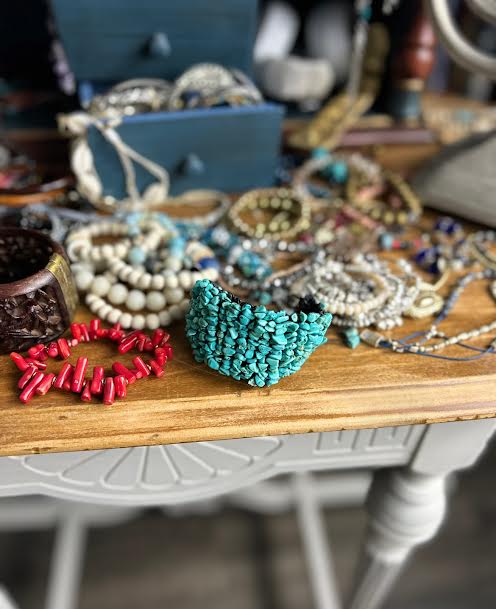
{"x": 406, "y": 504}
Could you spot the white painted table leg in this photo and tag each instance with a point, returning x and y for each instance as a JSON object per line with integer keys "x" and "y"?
{"x": 6, "y": 601}
{"x": 407, "y": 506}
{"x": 318, "y": 556}
{"x": 405, "y": 510}
{"x": 67, "y": 563}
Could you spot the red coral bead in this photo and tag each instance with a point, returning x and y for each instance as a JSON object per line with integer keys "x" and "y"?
{"x": 156, "y": 369}
{"x": 33, "y": 351}
{"x": 108, "y": 391}
{"x": 76, "y": 332}
{"x": 46, "y": 384}
{"x": 140, "y": 343}
{"x": 28, "y": 391}
{"x": 127, "y": 344}
{"x": 64, "y": 350}
{"x": 141, "y": 366}
{"x": 79, "y": 372}
{"x": 96, "y": 386}
{"x": 119, "y": 368}
{"x": 120, "y": 386}
{"x": 86, "y": 392}
{"x": 157, "y": 336}
{"x": 19, "y": 361}
{"x": 160, "y": 356}
{"x": 26, "y": 377}
{"x": 53, "y": 350}
{"x": 34, "y": 362}
{"x": 63, "y": 375}
{"x": 168, "y": 350}
{"x": 94, "y": 327}
{"x": 85, "y": 335}
{"x": 149, "y": 345}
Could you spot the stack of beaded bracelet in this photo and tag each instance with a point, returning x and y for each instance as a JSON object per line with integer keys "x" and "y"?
{"x": 250, "y": 343}
{"x": 363, "y": 292}
{"x": 72, "y": 378}
{"x": 150, "y": 270}
{"x": 292, "y": 213}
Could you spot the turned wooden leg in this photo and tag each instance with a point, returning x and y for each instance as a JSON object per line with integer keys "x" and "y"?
{"x": 405, "y": 510}
{"x": 407, "y": 506}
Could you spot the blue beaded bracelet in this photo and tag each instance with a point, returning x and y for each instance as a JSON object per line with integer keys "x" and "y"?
{"x": 249, "y": 343}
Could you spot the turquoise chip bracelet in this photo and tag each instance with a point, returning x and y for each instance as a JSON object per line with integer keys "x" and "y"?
{"x": 249, "y": 343}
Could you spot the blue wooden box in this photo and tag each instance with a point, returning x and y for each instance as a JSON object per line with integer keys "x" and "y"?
{"x": 230, "y": 149}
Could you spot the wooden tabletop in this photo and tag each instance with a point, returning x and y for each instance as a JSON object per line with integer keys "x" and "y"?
{"x": 337, "y": 388}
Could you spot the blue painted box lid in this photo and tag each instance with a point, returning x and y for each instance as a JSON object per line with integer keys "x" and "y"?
{"x": 114, "y": 40}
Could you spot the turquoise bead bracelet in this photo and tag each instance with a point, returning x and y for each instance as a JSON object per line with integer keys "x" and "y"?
{"x": 251, "y": 343}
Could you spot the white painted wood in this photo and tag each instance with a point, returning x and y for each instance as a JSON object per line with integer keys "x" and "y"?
{"x": 317, "y": 551}
{"x": 175, "y": 474}
{"x": 407, "y": 506}
{"x": 336, "y": 489}
{"x": 448, "y": 447}
{"x": 405, "y": 510}
{"x": 67, "y": 564}
{"x": 6, "y": 601}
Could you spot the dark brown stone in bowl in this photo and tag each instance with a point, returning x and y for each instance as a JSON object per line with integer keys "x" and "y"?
{"x": 37, "y": 293}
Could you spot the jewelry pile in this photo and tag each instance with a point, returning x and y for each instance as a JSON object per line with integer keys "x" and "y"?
{"x": 72, "y": 378}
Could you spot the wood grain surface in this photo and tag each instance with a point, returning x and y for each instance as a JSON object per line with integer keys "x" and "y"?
{"x": 336, "y": 389}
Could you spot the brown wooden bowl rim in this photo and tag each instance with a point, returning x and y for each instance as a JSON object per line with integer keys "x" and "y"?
{"x": 39, "y": 278}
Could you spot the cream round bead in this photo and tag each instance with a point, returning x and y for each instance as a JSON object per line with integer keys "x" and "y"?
{"x": 195, "y": 276}
{"x": 211, "y": 274}
{"x": 100, "y": 286}
{"x": 118, "y": 294}
{"x": 83, "y": 279}
{"x": 104, "y": 310}
{"x": 175, "y": 312}
{"x": 107, "y": 251}
{"x": 135, "y": 276}
{"x": 120, "y": 250}
{"x": 158, "y": 282}
{"x": 174, "y": 296}
{"x": 185, "y": 279}
{"x": 171, "y": 280}
{"x": 173, "y": 264}
{"x": 145, "y": 281}
{"x": 135, "y": 300}
{"x": 126, "y": 320}
{"x": 152, "y": 321}
{"x": 165, "y": 318}
{"x": 184, "y": 306}
{"x": 113, "y": 316}
{"x": 155, "y": 301}
{"x": 139, "y": 321}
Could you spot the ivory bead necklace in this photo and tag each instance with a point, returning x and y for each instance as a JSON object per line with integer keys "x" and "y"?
{"x": 151, "y": 298}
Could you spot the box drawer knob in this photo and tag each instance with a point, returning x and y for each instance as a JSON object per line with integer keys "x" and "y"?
{"x": 159, "y": 45}
{"x": 192, "y": 165}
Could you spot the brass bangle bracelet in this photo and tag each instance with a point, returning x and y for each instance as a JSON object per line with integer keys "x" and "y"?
{"x": 38, "y": 296}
